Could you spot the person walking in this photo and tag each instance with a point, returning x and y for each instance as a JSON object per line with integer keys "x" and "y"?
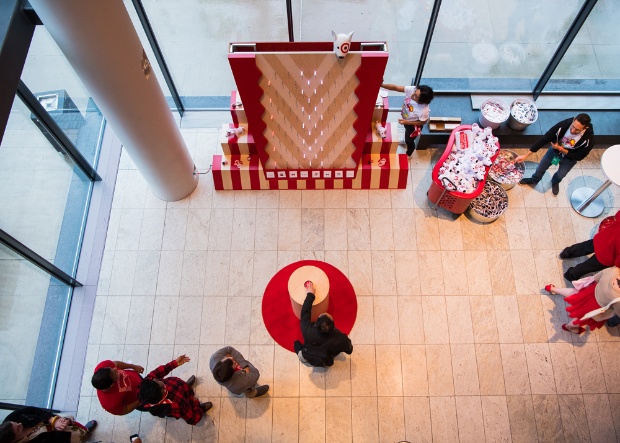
{"x": 231, "y": 370}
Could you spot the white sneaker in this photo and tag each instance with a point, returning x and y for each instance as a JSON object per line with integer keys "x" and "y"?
{"x": 401, "y": 140}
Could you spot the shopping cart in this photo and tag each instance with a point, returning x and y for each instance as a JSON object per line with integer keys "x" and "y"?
{"x": 453, "y": 201}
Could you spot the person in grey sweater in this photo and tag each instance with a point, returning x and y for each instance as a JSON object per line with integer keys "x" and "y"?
{"x": 235, "y": 373}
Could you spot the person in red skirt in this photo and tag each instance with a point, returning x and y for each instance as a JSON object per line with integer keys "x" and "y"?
{"x": 600, "y": 290}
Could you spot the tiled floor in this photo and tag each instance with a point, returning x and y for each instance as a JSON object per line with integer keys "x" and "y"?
{"x": 453, "y": 341}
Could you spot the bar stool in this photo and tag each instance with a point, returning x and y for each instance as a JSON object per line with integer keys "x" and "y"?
{"x": 584, "y": 200}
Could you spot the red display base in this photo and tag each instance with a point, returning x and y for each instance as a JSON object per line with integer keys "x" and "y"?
{"x": 278, "y": 315}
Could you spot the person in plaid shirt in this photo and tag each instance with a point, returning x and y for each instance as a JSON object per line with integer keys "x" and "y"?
{"x": 171, "y": 396}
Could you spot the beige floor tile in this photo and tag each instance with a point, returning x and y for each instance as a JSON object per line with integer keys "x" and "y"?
{"x": 548, "y": 420}
{"x": 258, "y": 332}
{"x": 357, "y": 198}
{"x": 609, "y": 353}
{"x": 508, "y": 320}
{"x": 490, "y": 370}
{"x": 465, "y": 369}
{"x": 364, "y": 419}
{"x": 213, "y": 324}
{"x": 389, "y": 375}
{"x": 473, "y": 234}
{"x": 483, "y": 319}
{"x": 531, "y": 315}
{"x": 410, "y": 320}
{"x": 563, "y": 235}
{"x": 565, "y": 368}
{"x": 450, "y": 235}
{"x": 455, "y": 272}
{"x": 524, "y": 272}
{"x": 600, "y": 421}
{"x": 128, "y": 237}
{"x": 574, "y": 419}
{"x": 500, "y": 266}
{"x": 164, "y": 320}
{"x": 358, "y": 229}
{"x": 189, "y": 317}
{"x": 443, "y": 419}
{"x": 547, "y": 267}
{"x": 381, "y": 230}
{"x": 383, "y": 275}
{"x": 439, "y": 370}
{"x": 590, "y": 368}
{"x": 238, "y": 313}
{"x": 243, "y": 229}
{"x": 514, "y": 363}
{"x": 459, "y": 320}
{"x": 313, "y": 199}
{"x": 266, "y": 234}
{"x": 290, "y": 199}
{"x": 407, "y": 274}
{"x": 477, "y": 268}
{"x": 363, "y": 371}
{"x": 435, "y": 320}
{"x": 496, "y": 418}
{"x": 285, "y": 420}
{"x": 175, "y": 227}
{"x": 391, "y": 419}
{"x": 123, "y": 272}
{"x": 311, "y": 381}
{"x": 360, "y": 272}
{"x": 232, "y": 419}
{"x": 431, "y": 275}
{"x": 289, "y": 229}
{"x": 240, "y": 277}
{"x": 386, "y": 309}
{"x": 193, "y": 273}
{"x": 312, "y": 229}
{"x": 418, "y": 419}
{"x": 555, "y": 315}
{"x": 216, "y": 278}
{"x": 496, "y": 235}
{"x": 259, "y": 418}
{"x": 312, "y": 419}
{"x": 114, "y": 328}
{"x": 540, "y": 369}
{"x": 338, "y": 419}
{"x": 522, "y": 419}
{"x": 517, "y": 228}
{"x": 427, "y": 230}
{"x": 264, "y": 267}
{"x": 363, "y": 332}
{"x": 415, "y": 379}
{"x": 286, "y": 378}
{"x": 338, "y": 377}
{"x": 145, "y": 276}
{"x": 152, "y": 230}
{"x": 336, "y": 198}
{"x": 404, "y": 227}
{"x": 170, "y": 273}
{"x": 470, "y": 421}
{"x": 614, "y": 407}
{"x": 335, "y": 229}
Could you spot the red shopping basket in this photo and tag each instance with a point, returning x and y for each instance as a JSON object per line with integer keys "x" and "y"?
{"x": 453, "y": 201}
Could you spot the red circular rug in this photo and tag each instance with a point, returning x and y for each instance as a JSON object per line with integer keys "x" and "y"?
{"x": 278, "y": 315}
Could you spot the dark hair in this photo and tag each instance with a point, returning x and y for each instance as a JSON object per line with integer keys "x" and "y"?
{"x": 149, "y": 392}
{"x": 6, "y": 432}
{"x": 102, "y": 379}
{"x": 426, "y": 94}
{"x": 223, "y": 370}
{"x": 584, "y": 119}
{"x": 325, "y": 324}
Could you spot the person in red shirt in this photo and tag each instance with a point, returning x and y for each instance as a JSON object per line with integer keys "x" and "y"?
{"x": 606, "y": 248}
{"x": 171, "y": 396}
{"x": 117, "y": 386}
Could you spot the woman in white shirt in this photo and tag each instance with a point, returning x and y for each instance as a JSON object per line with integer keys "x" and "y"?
{"x": 415, "y": 111}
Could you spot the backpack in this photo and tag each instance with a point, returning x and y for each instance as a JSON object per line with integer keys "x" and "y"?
{"x": 314, "y": 356}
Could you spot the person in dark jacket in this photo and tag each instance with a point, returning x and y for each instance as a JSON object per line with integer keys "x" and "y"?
{"x": 41, "y": 426}
{"x": 322, "y": 340}
{"x": 570, "y": 140}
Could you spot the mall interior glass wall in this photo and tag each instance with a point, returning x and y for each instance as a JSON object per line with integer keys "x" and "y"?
{"x": 476, "y": 46}
{"x": 44, "y": 197}
{"x": 593, "y": 56}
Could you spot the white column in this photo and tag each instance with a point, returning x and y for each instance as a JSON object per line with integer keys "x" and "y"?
{"x": 100, "y": 42}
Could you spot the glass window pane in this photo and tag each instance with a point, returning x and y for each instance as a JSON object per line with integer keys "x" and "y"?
{"x": 33, "y": 313}
{"x": 402, "y": 24}
{"x": 593, "y": 55}
{"x": 50, "y": 77}
{"x": 495, "y": 45}
{"x": 43, "y": 194}
{"x": 194, "y": 36}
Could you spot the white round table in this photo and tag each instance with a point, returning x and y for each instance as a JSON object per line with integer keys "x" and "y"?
{"x": 298, "y": 292}
{"x": 584, "y": 200}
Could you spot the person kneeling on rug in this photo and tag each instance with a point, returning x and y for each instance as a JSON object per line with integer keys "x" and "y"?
{"x": 592, "y": 301}
{"x": 322, "y": 340}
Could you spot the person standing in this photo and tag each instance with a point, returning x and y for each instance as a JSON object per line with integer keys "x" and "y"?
{"x": 235, "y": 373}
{"x": 117, "y": 386}
{"x": 570, "y": 141}
{"x": 322, "y": 340}
{"x": 415, "y": 111}
{"x": 171, "y": 396}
